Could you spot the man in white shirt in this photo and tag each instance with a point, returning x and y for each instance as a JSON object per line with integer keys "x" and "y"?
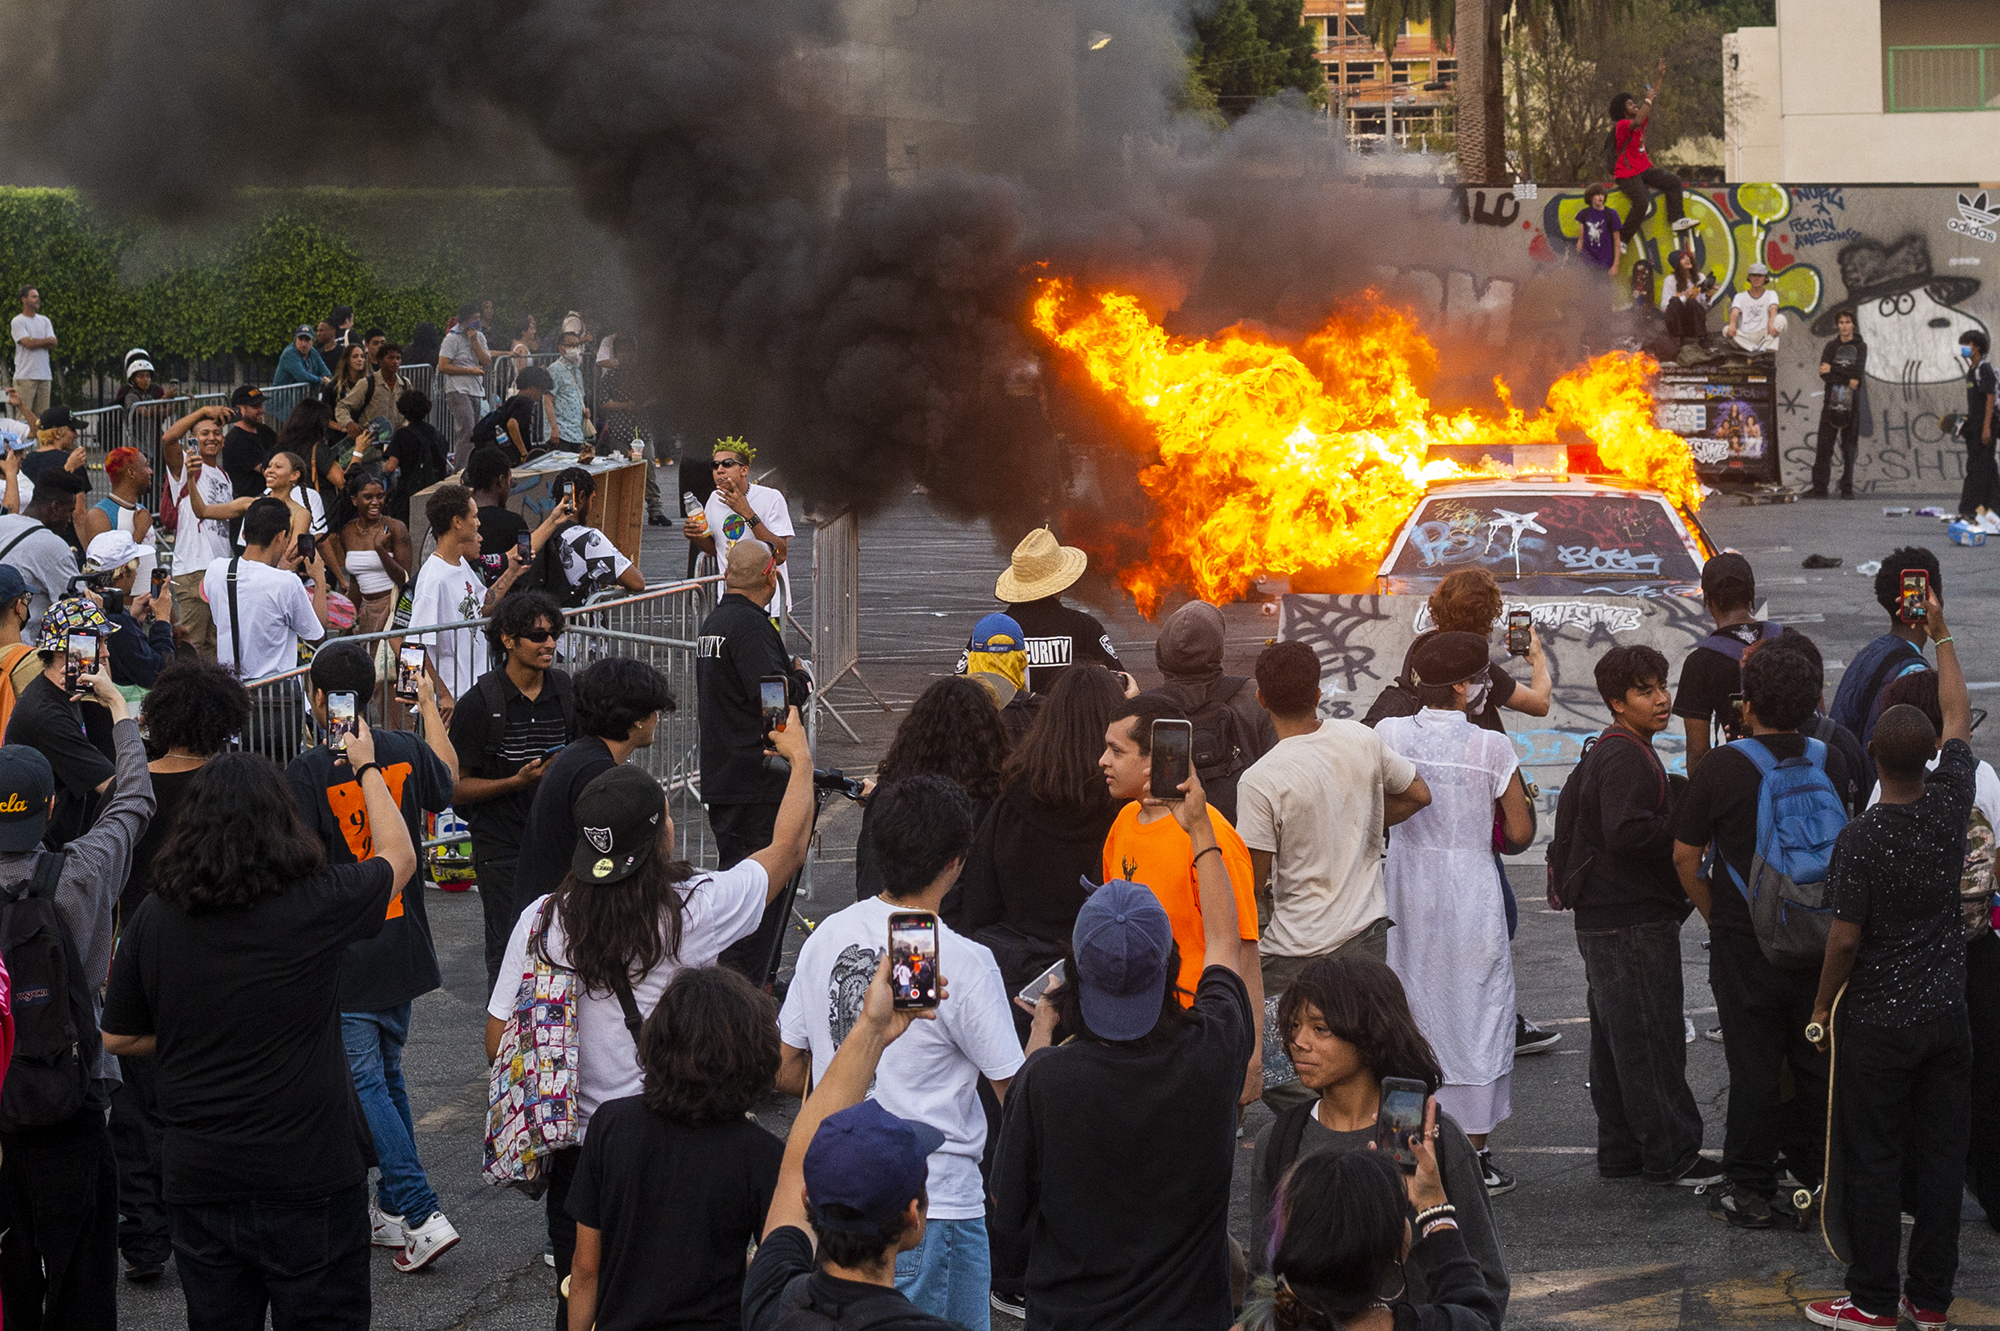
{"x": 739, "y": 511}
{"x": 462, "y": 363}
{"x": 1312, "y": 811}
{"x": 34, "y": 337}
{"x": 198, "y": 542}
{"x": 449, "y": 590}
{"x": 1754, "y": 321}
{"x": 272, "y": 605}
{"x": 922, "y": 827}
{"x": 581, "y": 560}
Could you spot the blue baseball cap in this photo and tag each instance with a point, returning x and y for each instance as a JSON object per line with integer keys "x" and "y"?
{"x": 26, "y": 784}
{"x": 998, "y": 633}
{"x": 1123, "y": 941}
{"x": 12, "y": 585}
{"x": 870, "y": 1163}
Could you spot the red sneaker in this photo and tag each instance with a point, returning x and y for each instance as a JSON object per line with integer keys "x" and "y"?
{"x": 1925, "y": 1320}
{"x": 1841, "y": 1312}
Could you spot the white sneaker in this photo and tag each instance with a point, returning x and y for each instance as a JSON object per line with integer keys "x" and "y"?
{"x": 384, "y": 1230}
{"x": 424, "y": 1243}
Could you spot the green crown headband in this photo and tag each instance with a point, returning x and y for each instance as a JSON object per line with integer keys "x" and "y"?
{"x": 732, "y": 444}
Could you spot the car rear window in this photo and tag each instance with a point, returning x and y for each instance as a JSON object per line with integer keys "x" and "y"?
{"x": 1602, "y": 537}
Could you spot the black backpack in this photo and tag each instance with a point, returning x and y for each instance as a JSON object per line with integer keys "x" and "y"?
{"x": 883, "y": 1310}
{"x": 1570, "y": 857}
{"x": 1286, "y": 1134}
{"x": 1224, "y": 745}
{"x": 549, "y": 575}
{"x": 56, "y": 1041}
{"x": 494, "y": 699}
{"x": 486, "y": 429}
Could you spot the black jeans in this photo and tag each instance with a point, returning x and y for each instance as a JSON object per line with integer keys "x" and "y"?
{"x": 1687, "y": 319}
{"x": 1764, "y": 1011}
{"x": 1849, "y": 435}
{"x": 307, "y": 1262}
{"x": 1636, "y": 190}
{"x": 59, "y": 1204}
{"x": 498, "y": 902}
{"x": 1982, "y": 1006}
{"x": 135, "y": 1141}
{"x": 1902, "y": 1103}
{"x": 1982, "y": 478}
{"x": 562, "y": 1229}
{"x": 1647, "y": 1121}
{"x": 740, "y": 831}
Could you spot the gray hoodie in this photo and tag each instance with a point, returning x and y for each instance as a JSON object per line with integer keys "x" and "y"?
{"x": 1189, "y": 654}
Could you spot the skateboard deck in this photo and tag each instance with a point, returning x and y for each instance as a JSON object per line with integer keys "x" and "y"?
{"x": 1832, "y": 1198}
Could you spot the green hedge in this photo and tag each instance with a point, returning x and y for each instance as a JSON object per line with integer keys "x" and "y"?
{"x": 282, "y": 258}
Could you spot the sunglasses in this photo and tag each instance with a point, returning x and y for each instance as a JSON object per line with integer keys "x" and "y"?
{"x": 539, "y": 635}
{"x": 730, "y": 462}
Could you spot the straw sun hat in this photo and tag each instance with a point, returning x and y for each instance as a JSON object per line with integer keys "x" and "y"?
{"x": 1041, "y": 567}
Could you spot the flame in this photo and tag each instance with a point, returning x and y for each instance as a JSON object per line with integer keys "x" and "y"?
{"x": 1275, "y": 460}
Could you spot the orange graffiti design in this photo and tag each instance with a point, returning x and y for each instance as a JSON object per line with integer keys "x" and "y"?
{"x": 350, "y": 810}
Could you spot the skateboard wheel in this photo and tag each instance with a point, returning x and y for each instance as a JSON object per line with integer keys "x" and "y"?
{"x": 1802, "y": 1200}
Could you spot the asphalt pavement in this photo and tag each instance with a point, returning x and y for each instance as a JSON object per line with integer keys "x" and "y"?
{"x": 1583, "y": 1252}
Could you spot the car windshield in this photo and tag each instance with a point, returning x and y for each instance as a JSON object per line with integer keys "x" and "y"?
{"x": 1599, "y": 536}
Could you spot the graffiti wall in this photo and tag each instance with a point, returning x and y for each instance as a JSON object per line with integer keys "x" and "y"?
{"x": 1361, "y": 642}
{"x": 1914, "y": 265}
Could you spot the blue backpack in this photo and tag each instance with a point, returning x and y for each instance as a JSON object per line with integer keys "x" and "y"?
{"x": 1799, "y": 817}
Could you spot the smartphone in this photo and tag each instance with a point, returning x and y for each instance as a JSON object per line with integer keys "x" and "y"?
{"x": 1916, "y": 588}
{"x": 1173, "y": 742}
{"x": 771, "y": 696}
{"x": 339, "y": 720}
{"x": 1400, "y": 1119}
{"x": 1520, "y": 627}
{"x": 525, "y": 543}
{"x": 409, "y": 669}
{"x": 1038, "y": 986}
{"x": 159, "y": 580}
{"x": 81, "y": 660}
{"x": 913, "y": 959}
{"x": 306, "y": 547}
{"x": 548, "y": 755}
{"x": 1734, "y": 728}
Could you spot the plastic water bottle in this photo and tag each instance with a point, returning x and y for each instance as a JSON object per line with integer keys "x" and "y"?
{"x": 692, "y": 507}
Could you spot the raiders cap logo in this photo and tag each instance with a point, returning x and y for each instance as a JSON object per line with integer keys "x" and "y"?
{"x": 599, "y": 838}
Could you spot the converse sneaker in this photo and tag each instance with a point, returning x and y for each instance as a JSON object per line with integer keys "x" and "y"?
{"x": 1841, "y": 1312}
{"x": 1925, "y": 1320}
{"x": 1530, "y": 1038}
{"x": 1497, "y": 1180}
{"x": 1742, "y": 1209}
{"x": 384, "y": 1230}
{"x": 1686, "y": 224}
{"x": 1010, "y": 1301}
{"x": 426, "y": 1242}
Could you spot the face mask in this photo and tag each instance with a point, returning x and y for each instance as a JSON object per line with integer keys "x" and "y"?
{"x": 1475, "y": 701}
{"x": 572, "y": 354}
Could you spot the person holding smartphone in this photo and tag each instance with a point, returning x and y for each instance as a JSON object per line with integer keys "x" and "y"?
{"x": 73, "y": 732}
{"x": 141, "y": 643}
{"x": 449, "y": 591}
{"x": 1896, "y": 653}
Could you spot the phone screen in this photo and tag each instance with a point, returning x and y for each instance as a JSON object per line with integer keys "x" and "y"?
{"x": 81, "y": 660}
{"x": 913, "y": 959}
{"x": 1399, "y": 1119}
{"x": 1734, "y": 727}
{"x": 525, "y": 543}
{"x": 1173, "y": 741}
{"x": 339, "y": 720}
{"x": 1916, "y": 586}
{"x": 771, "y": 696}
{"x": 305, "y": 547}
{"x": 409, "y": 668}
{"x": 159, "y": 580}
{"x": 1038, "y": 986}
{"x": 1520, "y": 624}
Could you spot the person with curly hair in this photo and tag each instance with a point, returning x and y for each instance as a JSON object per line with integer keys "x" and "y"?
{"x": 674, "y": 1182}
{"x": 1347, "y": 1025}
{"x": 952, "y": 730}
{"x": 227, "y": 975}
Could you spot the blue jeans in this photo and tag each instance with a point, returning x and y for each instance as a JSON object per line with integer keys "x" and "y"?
{"x": 950, "y": 1273}
{"x": 374, "y": 1043}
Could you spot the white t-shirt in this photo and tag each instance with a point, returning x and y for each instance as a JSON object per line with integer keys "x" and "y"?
{"x": 198, "y": 542}
{"x": 931, "y": 1073}
{"x": 277, "y": 612}
{"x": 728, "y": 527}
{"x": 1315, "y": 802}
{"x": 446, "y": 594}
{"x": 1753, "y": 315}
{"x": 1985, "y": 789}
{"x": 588, "y": 555}
{"x": 32, "y": 364}
{"x": 720, "y": 908}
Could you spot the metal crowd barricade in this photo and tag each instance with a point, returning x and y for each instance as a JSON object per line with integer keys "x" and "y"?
{"x": 279, "y": 401}
{"x": 421, "y": 378}
{"x": 658, "y": 626}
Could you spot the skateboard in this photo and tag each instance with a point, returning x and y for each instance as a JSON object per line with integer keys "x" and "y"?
{"x": 1832, "y": 1210}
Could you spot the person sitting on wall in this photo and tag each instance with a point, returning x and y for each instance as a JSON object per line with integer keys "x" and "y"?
{"x": 1754, "y": 321}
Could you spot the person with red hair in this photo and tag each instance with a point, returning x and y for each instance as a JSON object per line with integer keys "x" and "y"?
{"x": 126, "y": 508}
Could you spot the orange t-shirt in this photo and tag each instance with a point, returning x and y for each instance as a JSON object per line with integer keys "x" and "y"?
{"x": 1159, "y": 855}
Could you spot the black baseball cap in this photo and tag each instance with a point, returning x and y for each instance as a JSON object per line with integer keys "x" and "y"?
{"x": 618, "y": 825}
{"x": 247, "y": 393}
{"x": 1725, "y": 570}
{"x": 58, "y": 418}
{"x": 26, "y": 784}
{"x": 1448, "y": 658}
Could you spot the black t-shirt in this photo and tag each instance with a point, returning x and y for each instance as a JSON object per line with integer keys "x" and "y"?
{"x": 399, "y": 963}
{"x": 169, "y": 789}
{"x": 37, "y": 463}
{"x": 419, "y": 451}
{"x": 1057, "y": 636}
{"x": 1720, "y": 805}
{"x": 1708, "y": 678}
{"x": 253, "y": 1082}
{"x": 1113, "y": 1171}
{"x": 1980, "y": 382}
{"x": 787, "y": 1254}
{"x": 526, "y": 413}
{"x": 676, "y": 1207}
{"x": 67, "y": 734}
{"x": 549, "y": 839}
{"x": 1627, "y": 817}
{"x": 245, "y": 450}
{"x": 1845, "y": 361}
{"x": 1895, "y": 872}
{"x": 499, "y": 528}
{"x": 531, "y": 729}
{"x": 738, "y": 647}
{"x": 1841, "y": 740}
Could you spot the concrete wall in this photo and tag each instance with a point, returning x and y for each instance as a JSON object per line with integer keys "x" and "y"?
{"x": 1752, "y": 106}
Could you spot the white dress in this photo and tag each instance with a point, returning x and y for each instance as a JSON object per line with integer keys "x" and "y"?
{"x": 1449, "y": 946}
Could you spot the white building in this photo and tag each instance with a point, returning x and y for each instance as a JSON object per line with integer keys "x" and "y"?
{"x": 1866, "y": 91}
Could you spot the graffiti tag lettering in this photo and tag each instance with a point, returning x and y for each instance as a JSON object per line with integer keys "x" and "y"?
{"x": 1473, "y": 207}
{"x": 1599, "y": 560}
